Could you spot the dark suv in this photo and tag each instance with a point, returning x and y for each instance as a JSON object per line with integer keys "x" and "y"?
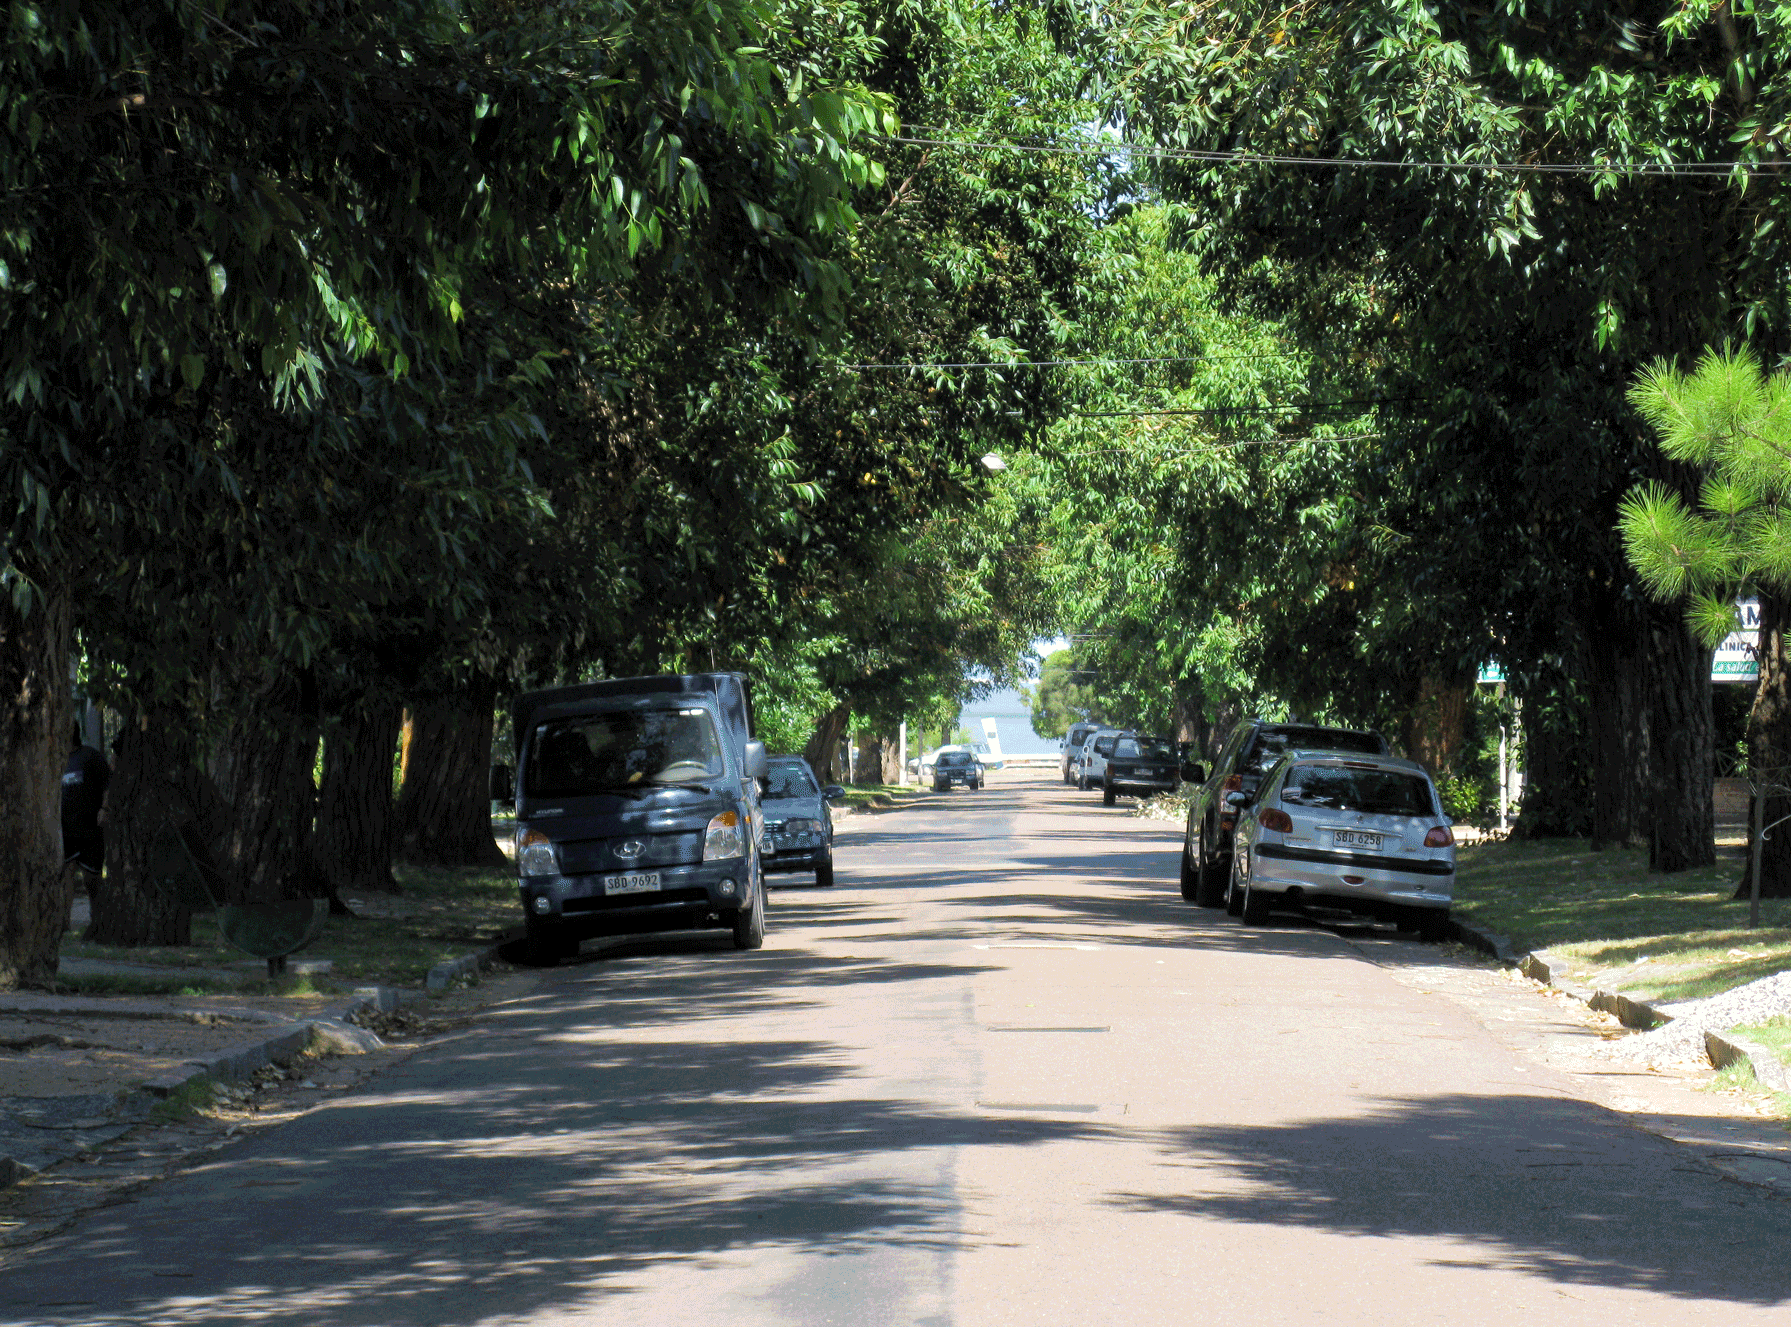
{"x": 951, "y": 768}
{"x": 1251, "y": 749}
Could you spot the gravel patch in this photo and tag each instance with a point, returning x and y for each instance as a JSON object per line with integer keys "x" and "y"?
{"x": 1682, "y": 1041}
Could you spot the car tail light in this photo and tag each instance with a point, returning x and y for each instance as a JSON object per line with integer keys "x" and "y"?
{"x": 1440, "y": 837}
{"x": 1271, "y": 818}
{"x": 1233, "y": 783}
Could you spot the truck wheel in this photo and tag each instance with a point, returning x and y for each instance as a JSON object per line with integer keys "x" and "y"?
{"x": 544, "y": 947}
{"x": 1107, "y": 796}
{"x": 1190, "y": 875}
{"x": 1234, "y": 893}
{"x": 1209, "y": 888}
{"x": 749, "y": 921}
{"x": 824, "y": 872}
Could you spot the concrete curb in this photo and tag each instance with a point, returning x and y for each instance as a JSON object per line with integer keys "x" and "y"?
{"x": 333, "y": 1031}
{"x": 1723, "y": 1048}
{"x": 1726, "y": 1048}
{"x": 442, "y": 975}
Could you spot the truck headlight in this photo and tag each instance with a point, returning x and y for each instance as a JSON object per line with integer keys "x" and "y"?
{"x": 800, "y": 826}
{"x": 723, "y": 837}
{"x": 535, "y": 854}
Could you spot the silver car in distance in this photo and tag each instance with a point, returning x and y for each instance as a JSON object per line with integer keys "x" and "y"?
{"x": 1342, "y": 830}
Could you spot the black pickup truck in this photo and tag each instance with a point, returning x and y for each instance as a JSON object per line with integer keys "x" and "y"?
{"x": 637, "y": 809}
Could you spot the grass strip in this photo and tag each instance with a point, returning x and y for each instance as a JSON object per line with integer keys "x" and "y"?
{"x": 441, "y": 913}
{"x": 1618, "y": 926}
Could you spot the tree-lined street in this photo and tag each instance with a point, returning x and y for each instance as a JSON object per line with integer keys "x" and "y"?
{"x": 1000, "y": 1073}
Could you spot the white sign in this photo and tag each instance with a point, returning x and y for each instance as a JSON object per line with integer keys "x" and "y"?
{"x": 1738, "y": 657}
{"x": 994, "y": 740}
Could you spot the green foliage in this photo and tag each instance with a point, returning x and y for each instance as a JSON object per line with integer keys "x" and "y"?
{"x": 1734, "y": 423}
{"x": 1063, "y": 695}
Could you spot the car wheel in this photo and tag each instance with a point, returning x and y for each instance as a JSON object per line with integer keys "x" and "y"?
{"x": 1107, "y": 796}
{"x": 1431, "y": 924}
{"x": 1234, "y": 893}
{"x": 749, "y": 920}
{"x": 1209, "y": 886}
{"x": 1255, "y": 910}
{"x": 1190, "y": 874}
{"x": 824, "y": 872}
{"x": 545, "y": 947}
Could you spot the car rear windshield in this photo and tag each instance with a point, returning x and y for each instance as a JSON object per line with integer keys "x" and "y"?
{"x": 954, "y": 758}
{"x": 1143, "y": 748}
{"x": 1271, "y": 742}
{"x": 1375, "y": 791}
{"x": 790, "y": 781}
{"x": 595, "y": 753}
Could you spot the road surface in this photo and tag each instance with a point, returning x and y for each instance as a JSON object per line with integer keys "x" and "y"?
{"x": 1000, "y": 1074}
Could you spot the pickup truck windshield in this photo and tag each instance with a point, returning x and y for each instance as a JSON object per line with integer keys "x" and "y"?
{"x": 627, "y": 749}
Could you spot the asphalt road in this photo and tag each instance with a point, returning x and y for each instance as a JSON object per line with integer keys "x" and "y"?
{"x": 999, "y": 1074}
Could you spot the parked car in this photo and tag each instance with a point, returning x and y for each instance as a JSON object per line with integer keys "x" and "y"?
{"x": 637, "y": 809}
{"x": 1343, "y": 831}
{"x": 1140, "y": 766}
{"x": 1252, "y": 747}
{"x": 798, "y": 821}
{"x": 1091, "y": 766}
{"x": 1072, "y": 748}
{"x": 954, "y": 768}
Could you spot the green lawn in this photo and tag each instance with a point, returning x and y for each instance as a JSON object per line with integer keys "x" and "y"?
{"x": 1774, "y": 1034}
{"x": 442, "y": 914}
{"x": 859, "y": 796}
{"x": 1656, "y": 937}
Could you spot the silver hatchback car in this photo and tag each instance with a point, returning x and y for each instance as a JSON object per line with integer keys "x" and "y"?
{"x": 1338, "y": 829}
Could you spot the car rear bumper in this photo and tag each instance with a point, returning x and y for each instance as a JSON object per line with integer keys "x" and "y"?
{"x": 1352, "y": 879}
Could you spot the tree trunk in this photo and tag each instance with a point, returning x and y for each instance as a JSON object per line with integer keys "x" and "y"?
{"x": 354, "y": 839}
{"x": 823, "y": 747}
{"x": 157, "y": 783}
{"x": 891, "y": 771}
{"x": 1617, "y": 701}
{"x": 264, "y": 767}
{"x": 1436, "y": 726}
{"x": 1681, "y": 751}
{"x": 35, "y": 717}
{"x": 444, "y": 807}
{"x": 1557, "y": 796}
{"x": 1769, "y": 749}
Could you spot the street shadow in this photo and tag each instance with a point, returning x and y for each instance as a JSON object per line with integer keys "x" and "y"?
{"x": 612, "y": 1124}
{"x": 1559, "y": 1189}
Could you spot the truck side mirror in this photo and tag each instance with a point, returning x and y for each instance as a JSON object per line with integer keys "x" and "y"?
{"x": 758, "y": 765}
{"x": 1237, "y": 801}
{"x": 1193, "y": 773}
{"x": 502, "y": 784}
{"x": 832, "y": 793}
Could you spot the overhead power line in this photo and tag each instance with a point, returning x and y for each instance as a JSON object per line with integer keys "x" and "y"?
{"x": 1669, "y": 169}
{"x": 1075, "y": 363}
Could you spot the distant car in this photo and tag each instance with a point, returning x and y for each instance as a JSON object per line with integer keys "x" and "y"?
{"x": 1072, "y": 748}
{"x": 954, "y": 768}
{"x": 1252, "y": 747}
{"x": 922, "y": 764}
{"x": 1091, "y": 767}
{"x": 798, "y": 821}
{"x": 1140, "y": 766}
{"x": 1366, "y": 834}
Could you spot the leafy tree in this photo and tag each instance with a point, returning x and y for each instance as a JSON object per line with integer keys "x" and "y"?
{"x": 198, "y": 231}
{"x": 1527, "y": 254}
{"x": 1063, "y": 695}
{"x": 1733, "y": 422}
